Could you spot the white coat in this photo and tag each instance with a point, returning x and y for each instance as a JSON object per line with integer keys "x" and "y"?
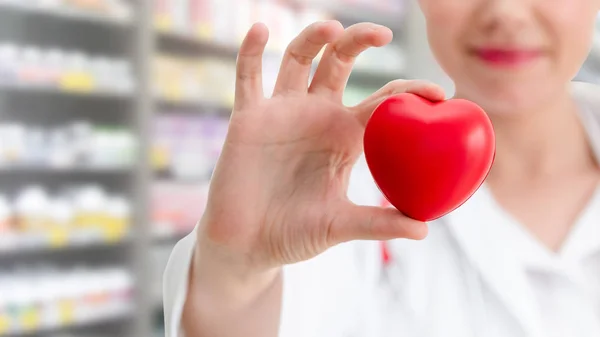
{"x": 466, "y": 279}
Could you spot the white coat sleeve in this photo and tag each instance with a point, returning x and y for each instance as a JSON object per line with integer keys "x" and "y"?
{"x": 175, "y": 284}
{"x": 324, "y": 296}
{"x": 321, "y": 297}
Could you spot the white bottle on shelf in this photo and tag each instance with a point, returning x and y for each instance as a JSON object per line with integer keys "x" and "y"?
{"x": 24, "y": 300}
{"x": 7, "y": 230}
{"x": 61, "y": 216}
{"x": 32, "y": 72}
{"x": 121, "y": 76}
{"x": 36, "y": 148}
{"x": 55, "y": 62}
{"x": 81, "y": 136}
{"x": 32, "y": 207}
{"x": 119, "y": 284}
{"x": 9, "y": 60}
{"x": 119, "y": 215}
{"x": 61, "y": 152}
{"x": 14, "y": 140}
{"x": 90, "y": 211}
{"x": 47, "y": 296}
{"x": 102, "y": 70}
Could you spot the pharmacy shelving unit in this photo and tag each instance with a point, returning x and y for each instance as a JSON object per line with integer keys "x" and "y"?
{"x": 142, "y": 251}
{"x": 23, "y": 23}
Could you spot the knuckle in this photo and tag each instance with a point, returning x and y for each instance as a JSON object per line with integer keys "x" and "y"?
{"x": 341, "y": 52}
{"x": 302, "y": 59}
{"x": 247, "y": 76}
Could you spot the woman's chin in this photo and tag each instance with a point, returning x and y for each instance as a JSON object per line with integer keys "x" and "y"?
{"x": 507, "y": 102}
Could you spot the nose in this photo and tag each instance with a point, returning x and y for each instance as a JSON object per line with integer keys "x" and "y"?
{"x": 505, "y": 15}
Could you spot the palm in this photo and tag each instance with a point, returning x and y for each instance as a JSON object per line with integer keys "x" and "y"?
{"x": 278, "y": 193}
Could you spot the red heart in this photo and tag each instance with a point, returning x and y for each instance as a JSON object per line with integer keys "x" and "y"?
{"x": 428, "y": 158}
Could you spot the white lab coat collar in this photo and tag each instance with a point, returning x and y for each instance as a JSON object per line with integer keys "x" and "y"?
{"x": 491, "y": 254}
{"x": 587, "y": 233}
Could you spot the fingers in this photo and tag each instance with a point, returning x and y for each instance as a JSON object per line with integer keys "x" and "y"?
{"x": 299, "y": 56}
{"x": 339, "y": 57}
{"x": 248, "y": 87}
{"x": 374, "y": 223}
{"x": 425, "y": 89}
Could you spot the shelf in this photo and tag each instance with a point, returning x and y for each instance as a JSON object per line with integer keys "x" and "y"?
{"x": 356, "y": 13}
{"x": 100, "y": 319}
{"x": 172, "y": 40}
{"x": 199, "y": 105}
{"x": 53, "y": 91}
{"x": 59, "y": 242}
{"x": 175, "y": 40}
{"x": 48, "y": 170}
{"x": 374, "y": 77}
{"x": 65, "y": 14}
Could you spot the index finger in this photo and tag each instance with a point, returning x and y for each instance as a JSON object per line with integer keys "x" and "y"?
{"x": 248, "y": 84}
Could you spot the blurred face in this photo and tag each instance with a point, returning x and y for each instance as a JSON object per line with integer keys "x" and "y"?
{"x": 510, "y": 55}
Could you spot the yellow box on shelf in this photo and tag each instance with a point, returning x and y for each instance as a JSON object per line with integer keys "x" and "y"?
{"x": 159, "y": 157}
{"x": 30, "y": 319}
{"x": 58, "y": 237}
{"x": 4, "y": 324}
{"x": 90, "y": 219}
{"x": 163, "y": 22}
{"x": 79, "y": 82}
{"x": 66, "y": 310}
{"x": 173, "y": 93}
{"x": 115, "y": 230}
{"x": 204, "y": 31}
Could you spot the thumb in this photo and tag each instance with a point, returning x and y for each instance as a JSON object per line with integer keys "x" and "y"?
{"x": 353, "y": 222}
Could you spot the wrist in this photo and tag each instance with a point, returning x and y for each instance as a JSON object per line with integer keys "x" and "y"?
{"x": 229, "y": 278}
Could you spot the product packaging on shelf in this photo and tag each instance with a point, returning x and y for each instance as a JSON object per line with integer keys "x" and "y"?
{"x": 203, "y": 80}
{"x": 52, "y": 298}
{"x": 176, "y": 207}
{"x": 78, "y": 144}
{"x": 80, "y": 215}
{"x": 116, "y": 9}
{"x": 215, "y": 21}
{"x": 187, "y": 145}
{"x": 70, "y": 71}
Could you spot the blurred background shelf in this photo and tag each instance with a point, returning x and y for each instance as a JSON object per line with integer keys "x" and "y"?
{"x": 89, "y": 170}
{"x": 387, "y": 13}
{"x": 63, "y": 12}
{"x": 98, "y": 321}
{"x": 61, "y": 239}
{"x": 193, "y": 45}
{"x": 50, "y": 92}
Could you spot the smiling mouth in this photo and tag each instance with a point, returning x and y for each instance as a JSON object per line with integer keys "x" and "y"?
{"x": 507, "y": 57}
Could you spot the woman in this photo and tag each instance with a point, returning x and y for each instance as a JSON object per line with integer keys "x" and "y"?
{"x": 520, "y": 258}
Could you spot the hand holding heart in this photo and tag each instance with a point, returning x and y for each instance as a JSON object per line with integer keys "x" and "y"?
{"x": 278, "y": 193}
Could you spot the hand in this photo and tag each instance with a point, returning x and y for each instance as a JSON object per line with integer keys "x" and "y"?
{"x": 278, "y": 193}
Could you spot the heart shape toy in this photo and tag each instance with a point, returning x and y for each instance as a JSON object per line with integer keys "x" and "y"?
{"x": 428, "y": 158}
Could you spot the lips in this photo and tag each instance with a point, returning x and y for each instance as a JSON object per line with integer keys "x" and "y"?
{"x": 507, "y": 57}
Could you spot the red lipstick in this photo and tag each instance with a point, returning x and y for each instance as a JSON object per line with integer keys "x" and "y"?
{"x": 507, "y": 58}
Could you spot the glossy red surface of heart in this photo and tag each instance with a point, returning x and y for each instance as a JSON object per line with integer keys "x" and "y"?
{"x": 428, "y": 158}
